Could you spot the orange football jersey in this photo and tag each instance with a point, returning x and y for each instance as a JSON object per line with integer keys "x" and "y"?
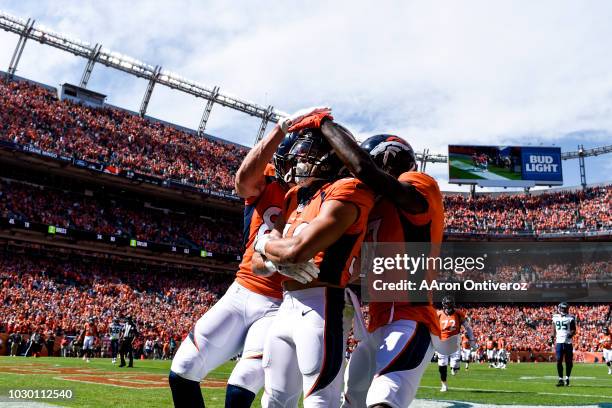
{"x": 335, "y": 262}
{"x": 90, "y": 329}
{"x": 501, "y": 343}
{"x": 450, "y": 325}
{"x": 389, "y": 224}
{"x": 260, "y": 214}
{"x": 465, "y": 342}
{"x": 605, "y": 341}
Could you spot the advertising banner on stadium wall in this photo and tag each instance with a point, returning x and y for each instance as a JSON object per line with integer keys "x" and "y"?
{"x": 504, "y": 166}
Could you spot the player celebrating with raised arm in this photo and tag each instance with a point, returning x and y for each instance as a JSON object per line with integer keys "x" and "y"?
{"x": 451, "y": 321}
{"x": 315, "y": 242}
{"x": 386, "y": 367}
{"x": 564, "y": 329}
{"x": 239, "y": 321}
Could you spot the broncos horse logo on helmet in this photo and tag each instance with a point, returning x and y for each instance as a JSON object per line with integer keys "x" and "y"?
{"x": 391, "y": 153}
{"x": 313, "y": 158}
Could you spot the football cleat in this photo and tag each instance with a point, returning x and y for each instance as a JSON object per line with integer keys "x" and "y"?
{"x": 560, "y": 383}
{"x": 567, "y": 383}
{"x": 444, "y": 387}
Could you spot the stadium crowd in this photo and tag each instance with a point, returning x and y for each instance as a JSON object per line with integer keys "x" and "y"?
{"x": 584, "y": 210}
{"x": 115, "y": 216}
{"x": 57, "y": 295}
{"x": 528, "y": 328}
{"x": 128, "y": 218}
{"x": 33, "y": 115}
{"x": 52, "y": 295}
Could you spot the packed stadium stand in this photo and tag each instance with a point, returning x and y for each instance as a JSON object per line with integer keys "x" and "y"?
{"x": 104, "y": 214}
{"x": 33, "y": 115}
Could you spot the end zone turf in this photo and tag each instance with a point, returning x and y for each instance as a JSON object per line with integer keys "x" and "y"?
{"x": 100, "y": 384}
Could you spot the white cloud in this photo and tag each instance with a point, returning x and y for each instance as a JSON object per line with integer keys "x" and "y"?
{"x": 437, "y": 73}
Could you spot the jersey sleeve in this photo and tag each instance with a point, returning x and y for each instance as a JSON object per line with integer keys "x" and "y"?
{"x": 434, "y": 216}
{"x": 461, "y": 317}
{"x": 269, "y": 174}
{"x": 351, "y": 190}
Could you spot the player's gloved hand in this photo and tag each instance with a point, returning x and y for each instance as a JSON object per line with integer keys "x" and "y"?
{"x": 303, "y": 272}
{"x": 313, "y": 121}
{"x": 296, "y": 117}
{"x": 260, "y": 244}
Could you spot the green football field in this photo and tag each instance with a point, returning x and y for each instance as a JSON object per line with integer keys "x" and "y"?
{"x": 100, "y": 384}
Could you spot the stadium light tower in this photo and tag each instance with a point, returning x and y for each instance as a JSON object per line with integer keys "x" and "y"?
{"x": 23, "y": 37}
{"x": 91, "y": 61}
{"x": 582, "y": 167}
{"x": 149, "y": 91}
{"x": 207, "y": 109}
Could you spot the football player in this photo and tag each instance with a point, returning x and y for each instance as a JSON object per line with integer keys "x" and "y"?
{"x": 491, "y": 351}
{"x": 451, "y": 320}
{"x": 89, "y": 338}
{"x": 564, "y": 329}
{"x": 386, "y": 366}
{"x": 114, "y": 331}
{"x": 315, "y": 243}
{"x": 466, "y": 351}
{"x": 605, "y": 342}
{"x": 239, "y": 321}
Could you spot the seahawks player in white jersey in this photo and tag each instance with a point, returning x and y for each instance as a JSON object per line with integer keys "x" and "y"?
{"x": 564, "y": 328}
{"x": 114, "y": 330}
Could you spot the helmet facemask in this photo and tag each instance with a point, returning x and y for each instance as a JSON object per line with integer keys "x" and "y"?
{"x": 312, "y": 160}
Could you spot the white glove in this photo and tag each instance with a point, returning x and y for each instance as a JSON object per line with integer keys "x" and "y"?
{"x": 286, "y": 122}
{"x": 260, "y": 244}
{"x": 303, "y": 272}
{"x": 473, "y": 345}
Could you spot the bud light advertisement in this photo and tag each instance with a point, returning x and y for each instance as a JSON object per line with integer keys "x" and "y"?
{"x": 505, "y": 166}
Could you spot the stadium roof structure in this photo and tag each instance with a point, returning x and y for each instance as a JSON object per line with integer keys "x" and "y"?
{"x": 156, "y": 75}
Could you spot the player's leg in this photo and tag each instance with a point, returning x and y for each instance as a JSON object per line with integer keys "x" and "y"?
{"x": 217, "y": 336}
{"x": 455, "y": 360}
{"x": 401, "y": 361}
{"x": 319, "y": 338}
{"x": 569, "y": 363}
{"x": 465, "y": 354}
{"x": 247, "y": 377}
{"x": 608, "y": 359}
{"x": 360, "y": 371}
{"x": 283, "y": 381}
{"x": 559, "y": 352}
{"x": 443, "y": 370}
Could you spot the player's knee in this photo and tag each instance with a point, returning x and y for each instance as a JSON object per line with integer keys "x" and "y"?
{"x": 238, "y": 397}
{"x": 248, "y": 374}
{"x": 278, "y": 399}
{"x": 185, "y": 393}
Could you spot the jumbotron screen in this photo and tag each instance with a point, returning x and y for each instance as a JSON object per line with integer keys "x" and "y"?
{"x": 505, "y": 166}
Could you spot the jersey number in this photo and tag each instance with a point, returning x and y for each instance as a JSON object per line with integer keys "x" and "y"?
{"x": 269, "y": 218}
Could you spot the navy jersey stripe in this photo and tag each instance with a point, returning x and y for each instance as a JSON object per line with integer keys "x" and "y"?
{"x": 413, "y": 353}
{"x": 334, "y": 344}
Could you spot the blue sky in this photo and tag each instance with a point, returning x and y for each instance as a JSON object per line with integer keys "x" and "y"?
{"x": 515, "y": 72}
